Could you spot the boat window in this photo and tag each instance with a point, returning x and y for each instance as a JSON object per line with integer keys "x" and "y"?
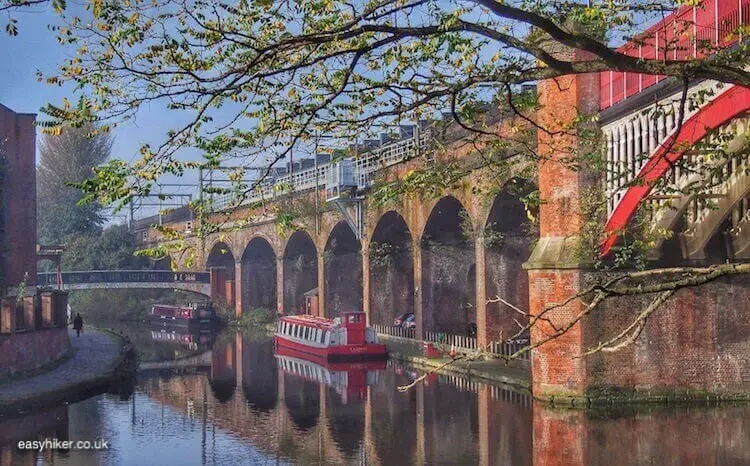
{"x": 307, "y": 333}
{"x": 295, "y": 330}
{"x": 323, "y": 337}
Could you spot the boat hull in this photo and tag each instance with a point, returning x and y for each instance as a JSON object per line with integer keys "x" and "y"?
{"x": 366, "y": 352}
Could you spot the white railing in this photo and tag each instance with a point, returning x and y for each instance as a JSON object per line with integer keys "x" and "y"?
{"x": 394, "y": 331}
{"x": 454, "y": 342}
{"x": 366, "y": 165}
{"x": 633, "y": 139}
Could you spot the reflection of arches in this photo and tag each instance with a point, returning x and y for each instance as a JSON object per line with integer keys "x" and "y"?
{"x": 302, "y": 399}
{"x": 300, "y": 271}
{"x": 447, "y": 409}
{"x": 223, "y": 379}
{"x": 346, "y": 422}
{"x": 447, "y": 255}
{"x": 393, "y": 415}
{"x": 391, "y": 268}
{"x": 343, "y": 271}
{"x": 508, "y": 235}
{"x": 258, "y": 275}
{"x": 259, "y": 374}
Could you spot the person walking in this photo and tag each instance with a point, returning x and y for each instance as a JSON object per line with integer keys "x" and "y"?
{"x": 78, "y": 324}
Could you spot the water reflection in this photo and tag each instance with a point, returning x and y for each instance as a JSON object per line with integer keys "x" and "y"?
{"x": 250, "y": 407}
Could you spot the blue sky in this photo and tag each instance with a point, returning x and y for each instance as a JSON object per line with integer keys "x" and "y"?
{"x": 36, "y": 48}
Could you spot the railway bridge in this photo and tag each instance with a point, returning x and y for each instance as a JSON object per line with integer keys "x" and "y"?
{"x": 473, "y": 254}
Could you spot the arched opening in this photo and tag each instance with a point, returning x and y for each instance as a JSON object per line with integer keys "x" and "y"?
{"x": 343, "y": 271}
{"x": 447, "y": 255}
{"x": 164, "y": 263}
{"x": 391, "y": 269}
{"x": 258, "y": 276}
{"x": 508, "y": 236}
{"x": 300, "y": 271}
{"x": 259, "y": 374}
{"x": 221, "y": 257}
{"x": 302, "y": 399}
{"x": 220, "y": 263}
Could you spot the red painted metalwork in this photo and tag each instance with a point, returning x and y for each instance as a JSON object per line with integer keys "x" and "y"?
{"x": 689, "y": 32}
{"x": 732, "y": 103}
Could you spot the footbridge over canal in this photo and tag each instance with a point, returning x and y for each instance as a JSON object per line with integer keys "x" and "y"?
{"x": 196, "y": 282}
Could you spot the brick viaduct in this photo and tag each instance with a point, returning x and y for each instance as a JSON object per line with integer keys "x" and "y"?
{"x": 447, "y": 268}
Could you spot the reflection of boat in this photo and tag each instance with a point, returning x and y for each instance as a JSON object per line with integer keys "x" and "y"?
{"x": 349, "y": 379}
{"x": 342, "y": 339}
{"x": 192, "y": 340}
{"x": 182, "y": 315}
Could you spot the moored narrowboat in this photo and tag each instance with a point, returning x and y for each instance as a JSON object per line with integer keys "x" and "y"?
{"x": 344, "y": 338}
{"x": 182, "y": 315}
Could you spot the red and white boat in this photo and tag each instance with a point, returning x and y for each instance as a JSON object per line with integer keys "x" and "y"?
{"x": 344, "y": 338}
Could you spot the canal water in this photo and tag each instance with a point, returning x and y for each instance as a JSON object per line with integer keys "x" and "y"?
{"x": 226, "y": 399}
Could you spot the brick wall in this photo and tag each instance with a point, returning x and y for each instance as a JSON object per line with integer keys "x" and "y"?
{"x": 17, "y": 135}
{"x": 698, "y": 341}
{"x": 27, "y": 351}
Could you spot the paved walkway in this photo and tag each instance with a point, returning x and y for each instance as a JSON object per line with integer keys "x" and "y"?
{"x": 94, "y": 355}
{"x": 494, "y": 370}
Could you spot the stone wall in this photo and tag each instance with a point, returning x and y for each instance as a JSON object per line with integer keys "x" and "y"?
{"x": 28, "y": 351}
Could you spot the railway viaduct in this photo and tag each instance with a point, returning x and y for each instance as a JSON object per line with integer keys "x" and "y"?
{"x": 447, "y": 257}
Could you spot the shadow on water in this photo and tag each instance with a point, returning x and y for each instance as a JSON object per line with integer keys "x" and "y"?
{"x": 232, "y": 400}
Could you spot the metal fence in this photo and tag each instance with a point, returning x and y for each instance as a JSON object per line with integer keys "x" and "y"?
{"x": 457, "y": 342}
{"x": 364, "y": 167}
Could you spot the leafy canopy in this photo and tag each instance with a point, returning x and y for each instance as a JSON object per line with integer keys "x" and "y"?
{"x": 250, "y": 80}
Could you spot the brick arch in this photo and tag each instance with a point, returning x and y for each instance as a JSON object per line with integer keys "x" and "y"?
{"x": 374, "y": 220}
{"x": 342, "y": 258}
{"x": 217, "y": 257}
{"x": 507, "y": 239}
{"x": 258, "y": 274}
{"x": 719, "y": 112}
{"x": 300, "y": 271}
{"x": 448, "y": 255}
{"x": 277, "y": 244}
{"x": 226, "y": 241}
{"x": 391, "y": 269}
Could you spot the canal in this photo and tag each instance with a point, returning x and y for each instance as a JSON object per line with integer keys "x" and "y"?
{"x": 225, "y": 399}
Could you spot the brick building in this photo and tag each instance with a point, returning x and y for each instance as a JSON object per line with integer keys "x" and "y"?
{"x": 33, "y": 327}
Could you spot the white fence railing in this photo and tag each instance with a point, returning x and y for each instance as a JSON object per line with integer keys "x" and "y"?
{"x": 366, "y": 164}
{"x": 458, "y": 342}
{"x": 394, "y": 331}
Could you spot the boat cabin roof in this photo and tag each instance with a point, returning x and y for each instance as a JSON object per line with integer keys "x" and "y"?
{"x": 310, "y": 321}
{"x": 315, "y": 321}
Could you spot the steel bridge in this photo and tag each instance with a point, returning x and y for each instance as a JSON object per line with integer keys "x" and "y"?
{"x": 197, "y": 282}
